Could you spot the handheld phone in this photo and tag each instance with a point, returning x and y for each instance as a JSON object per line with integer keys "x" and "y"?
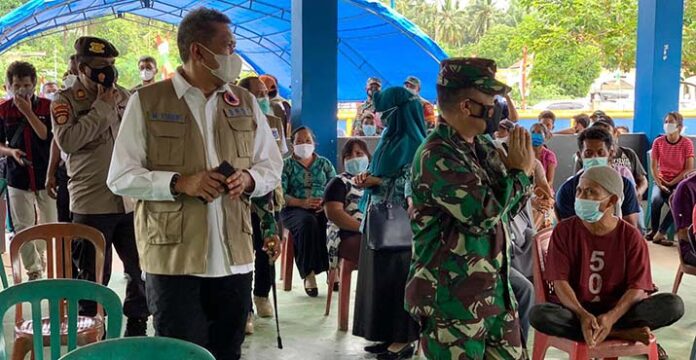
{"x": 25, "y": 161}
{"x": 226, "y": 169}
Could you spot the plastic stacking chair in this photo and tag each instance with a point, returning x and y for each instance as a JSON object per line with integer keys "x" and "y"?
{"x": 287, "y": 261}
{"x": 58, "y": 328}
{"x": 140, "y": 348}
{"x": 683, "y": 267}
{"x": 59, "y": 238}
{"x": 610, "y": 349}
{"x": 346, "y": 268}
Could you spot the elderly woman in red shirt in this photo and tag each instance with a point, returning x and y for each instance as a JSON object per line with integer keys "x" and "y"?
{"x": 600, "y": 269}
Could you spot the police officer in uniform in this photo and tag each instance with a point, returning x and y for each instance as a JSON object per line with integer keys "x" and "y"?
{"x": 193, "y": 222}
{"x": 86, "y": 119}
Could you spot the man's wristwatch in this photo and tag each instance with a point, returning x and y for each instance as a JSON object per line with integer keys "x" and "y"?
{"x": 172, "y": 185}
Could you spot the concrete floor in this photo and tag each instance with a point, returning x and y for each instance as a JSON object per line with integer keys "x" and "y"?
{"x": 308, "y": 334}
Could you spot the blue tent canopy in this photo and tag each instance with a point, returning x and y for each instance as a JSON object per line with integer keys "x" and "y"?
{"x": 373, "y": 39}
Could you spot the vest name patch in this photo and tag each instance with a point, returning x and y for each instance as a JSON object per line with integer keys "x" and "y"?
{"x": 276, "y": 134}
{"x": 168, "y": 117}
{"x": 237, "y": 112}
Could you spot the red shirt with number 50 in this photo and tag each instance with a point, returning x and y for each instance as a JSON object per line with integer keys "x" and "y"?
{"x": 600, "y": 269}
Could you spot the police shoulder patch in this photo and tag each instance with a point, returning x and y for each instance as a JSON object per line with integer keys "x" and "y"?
{"x": 60, "y": 112}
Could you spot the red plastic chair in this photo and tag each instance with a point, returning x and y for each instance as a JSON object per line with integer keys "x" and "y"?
{"x": 287, "y": 261}
{"x": 346, "y": 269}
{"x": 683, "y": 267}
{"x": 610, "y": 349}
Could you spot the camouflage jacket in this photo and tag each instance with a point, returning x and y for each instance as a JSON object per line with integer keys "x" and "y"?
{"x": 461, "y": 243}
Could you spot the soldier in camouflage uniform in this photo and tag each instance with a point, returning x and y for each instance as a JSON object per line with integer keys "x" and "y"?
{"x": 465, "y": 193}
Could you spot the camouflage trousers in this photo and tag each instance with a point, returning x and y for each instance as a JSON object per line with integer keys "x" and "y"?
{"x": 494, "y": 338}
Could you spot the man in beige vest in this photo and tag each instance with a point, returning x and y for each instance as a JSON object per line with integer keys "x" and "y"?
{"x": 86, "y": 119}
{"x": 193, "y": 224}
{"x": 262, "y": 275}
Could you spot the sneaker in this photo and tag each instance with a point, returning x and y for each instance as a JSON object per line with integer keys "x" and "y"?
{"x": 249, "y": 329}
{"x": 263, "y": 307}
{"x": 34, "y": 275}
{"x": 136, "y": 327}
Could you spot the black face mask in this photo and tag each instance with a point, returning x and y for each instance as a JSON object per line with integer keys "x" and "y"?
{"x": 272, "y": 94}
{"x": 105, "y": 76}
{"x": 491, "y": 114}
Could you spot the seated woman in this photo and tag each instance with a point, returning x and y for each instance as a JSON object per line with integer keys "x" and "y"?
{"x": 540, "y": 134}
{"x": 672, "y": 158}
{"x": 305, "y": 175}
{"x": 368, "y": 125}
{"x": 341, "y": 200}
{"x": 600, "y": 269}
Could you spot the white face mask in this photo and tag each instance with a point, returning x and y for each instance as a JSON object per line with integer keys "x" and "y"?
{"x": 50, "y": 96}
{"x": 146, "y": 74}
{"x": 69, "y": 81}
{"x": 230, "y": 66}
{"x": 670, "y": 128}
{"x": 412, "y": 91}
{"x": 303, "y": 151}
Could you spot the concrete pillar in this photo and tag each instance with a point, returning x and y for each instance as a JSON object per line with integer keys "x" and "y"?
{"x": 314, "y": 70}
{"x": 658, "y": 63}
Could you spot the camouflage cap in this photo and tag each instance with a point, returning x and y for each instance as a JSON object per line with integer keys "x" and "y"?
{"x": 374, "y": 80}
{"x": 471, "y": 73}
{"x": 413, "y": 81}
{"x": 95, "y": 47}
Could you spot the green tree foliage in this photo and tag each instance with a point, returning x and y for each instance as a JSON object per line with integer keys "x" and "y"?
{"x": 497, "y": 44}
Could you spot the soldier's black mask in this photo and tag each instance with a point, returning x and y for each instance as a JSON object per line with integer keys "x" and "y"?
{"x": 105, "y": 76}
{"x": 491, "y": 114}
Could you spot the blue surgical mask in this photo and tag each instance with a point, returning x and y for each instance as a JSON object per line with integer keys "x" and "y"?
{"x": 265, "y": 104}
{"x": 369, "y": 130}
{"x": 588, "y": 210}
{"x": 537, "y": 139}
{"x": 594, "y": 162}
{"x": 357, "y": 165}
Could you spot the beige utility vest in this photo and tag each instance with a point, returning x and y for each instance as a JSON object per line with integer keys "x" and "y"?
{"x": 173, "y": 236}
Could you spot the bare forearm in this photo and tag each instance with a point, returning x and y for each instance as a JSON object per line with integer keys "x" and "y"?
{"x": 567, "y": 297}
{"x": 630, "y": 298}
{"x": 53, "y": 159}
{"x": 292, "y": 201}
{"x": 641, "y": 187}
{"x": 5, "y": 150}
{"x": 341, "y": 218}
{"x": 39, "y": 128}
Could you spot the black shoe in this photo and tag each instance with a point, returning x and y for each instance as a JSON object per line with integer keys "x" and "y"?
{"x": 650, "y": 236}
{"x": 405, "y": 353}
{"x": 377, "y": 348}
{"x": 136, "y": 327}
{"x": 312, "y": 292}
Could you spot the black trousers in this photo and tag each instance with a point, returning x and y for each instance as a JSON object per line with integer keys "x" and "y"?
{"x": 119, "y": 231}
{"x": 654, "y": 312}
{"x": 660, "y": 198}
{"x": 210, "y": 312}
{"x": 308, "y": 230}
{"x": 262, "y": 272}
{"x": 63, "y": 200}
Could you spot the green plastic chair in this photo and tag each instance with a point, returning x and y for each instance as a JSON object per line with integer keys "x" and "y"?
{"x": 55, "y": 291}
{"x": 137, "y": 348}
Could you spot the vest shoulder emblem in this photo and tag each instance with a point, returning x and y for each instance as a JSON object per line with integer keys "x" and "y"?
{"x": 80, "y": 94}
{"x": 231, "y": 99}
{"x": 276, "y": 134}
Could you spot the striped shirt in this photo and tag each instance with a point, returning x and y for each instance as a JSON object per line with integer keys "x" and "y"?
{"x": 671, "y": 158}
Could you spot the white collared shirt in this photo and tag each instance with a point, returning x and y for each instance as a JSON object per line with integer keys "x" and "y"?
{"x": 128, "y": 175}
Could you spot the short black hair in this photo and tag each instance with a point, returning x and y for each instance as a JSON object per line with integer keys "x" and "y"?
{"x": 294, "y": 133}
{"x": 20, "y": 69}
{"x": 449, "y": 98}
{"x": 246, "y": 82}
{"x": 148, "y": 58}
{"x": 197, "y": 25}
{"x": 582, "y": 119}
{"x": 547, "y": 114}
{"x": 350, "y": 144}
{"x": 595, "y": 133}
